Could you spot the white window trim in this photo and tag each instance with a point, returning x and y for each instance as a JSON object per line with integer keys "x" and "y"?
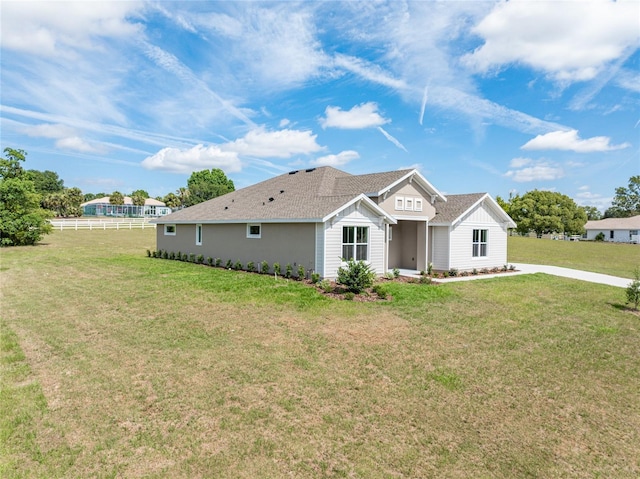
{"x": 254, "y": 236}
{"x": 408, "y": 204}
{"x": 356, "y": 244}
{"x": 417, "y": 205}
{"x": 168, "y": 233}
{"x": 480, "y": 243}
{"x": 399, "y": 203}
{"x": 390, "y": 233}
{"x": 198, "y": 235}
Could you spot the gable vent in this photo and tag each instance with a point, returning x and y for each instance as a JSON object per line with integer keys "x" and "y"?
{"x": 271, "y": 198}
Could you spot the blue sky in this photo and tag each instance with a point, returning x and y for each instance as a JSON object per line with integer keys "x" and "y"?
{"x": 479, "y": 96}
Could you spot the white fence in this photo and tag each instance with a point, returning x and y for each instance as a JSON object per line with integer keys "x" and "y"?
{"x": 106, "y": 224}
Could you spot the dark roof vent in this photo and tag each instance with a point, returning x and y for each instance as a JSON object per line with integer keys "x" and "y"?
{"x": 309, "y": 170}
{"x": 293, "y": 172}
{"x": 226, "y": 207}
{"x": 281, "y": 191}
{"x": 271, "y": 198}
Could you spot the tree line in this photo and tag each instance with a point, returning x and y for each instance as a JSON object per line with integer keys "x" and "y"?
{"x": 545, "y": 212}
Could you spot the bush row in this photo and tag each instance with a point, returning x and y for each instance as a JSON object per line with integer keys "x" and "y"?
{"x": 263, "y": 267}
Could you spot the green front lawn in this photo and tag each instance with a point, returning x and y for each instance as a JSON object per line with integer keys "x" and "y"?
{"x": 118, "y": 365}
{"x": 616, "y": 259}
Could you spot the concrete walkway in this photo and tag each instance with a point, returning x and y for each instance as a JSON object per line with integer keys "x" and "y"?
{"x": 522, "y": 268}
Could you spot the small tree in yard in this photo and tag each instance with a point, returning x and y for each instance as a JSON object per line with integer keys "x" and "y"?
{"x": 633, "y": 290}
{"x": 356, "y": 276}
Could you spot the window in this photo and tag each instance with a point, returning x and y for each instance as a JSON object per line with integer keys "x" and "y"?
{"x": 479, "y": 243}
{"x": 399, "y": 203}
{"x": 418, "y": 205}
{"x": 408, "y": 204}
{"x": 390, "y": 232}
{"x": 198, "y": 235}
{"x": 355, "y": 242}
{"x": 170, "y": 230}
{"x": 611, "y": 234}
{"x": 254, "y": 231}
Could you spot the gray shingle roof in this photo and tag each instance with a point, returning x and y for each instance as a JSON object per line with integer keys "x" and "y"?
{"x": 301, "y": 195}
{"x": 455, "y": 206}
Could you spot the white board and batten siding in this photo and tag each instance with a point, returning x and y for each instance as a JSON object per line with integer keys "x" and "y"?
{"x": 330, "y": 244}
{"x": 461, "y": 247}
{"x": 439, "y": 236}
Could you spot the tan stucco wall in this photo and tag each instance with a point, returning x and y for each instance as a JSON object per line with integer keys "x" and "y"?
{"x": 283, "y": 243}
{"x": 406, "y": 189}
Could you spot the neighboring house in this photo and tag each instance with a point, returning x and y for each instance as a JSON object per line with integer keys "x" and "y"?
{"x": 101, "y": 207}
{"x": 317, "y": 217}
{"x": 617, "y": 230}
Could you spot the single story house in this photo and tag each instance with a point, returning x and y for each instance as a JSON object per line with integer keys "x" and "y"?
{"x": 101, "y": 207}
{"x": 617, "y": 230}
{"x": 319, "y": 216}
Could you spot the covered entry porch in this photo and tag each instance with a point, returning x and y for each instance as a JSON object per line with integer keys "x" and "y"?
{"x": 407, "y": 245}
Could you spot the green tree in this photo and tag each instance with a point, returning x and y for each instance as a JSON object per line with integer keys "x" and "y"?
{"x": 207, "y": 184}
{"x": 547, "y": 212}
{"x": 633, "y": 290}
{"x": 93, "y": 196}
{"x": 171, "y": 200}
{"x": 22, "y": 220}
{"x": 142, "y": 193}
{"x": 45, "y": 182}
{"x": 593, "y": 213}
{"x": 182, "y": 194}
{"x": 626, "y": 202}
{"x": 137, "y": 199}
{"x": 116, "y": 198}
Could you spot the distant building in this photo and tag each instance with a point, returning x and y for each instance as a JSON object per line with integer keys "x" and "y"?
{"x": 616, "y": 230}
{"x": 101, "y": 207}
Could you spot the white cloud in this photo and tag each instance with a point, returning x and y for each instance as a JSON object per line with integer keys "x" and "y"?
{"x": 226, "y": 156}
{"x": 570, "y": 41}
{"x": 520, "y": 162}
{"x": 49, "y": 130}
{"x": 199, "y": 157}
{"x": 570, "y": 141}
{"x": 340, "y": 159}
{"x": 526, "y": 171}
{"x": 360, "y": 116}
{"x": 58, "y": 28}
{"x": 391, "y": 139}
{"x": 78, "y": 144}
{"x": 275, "y": 144}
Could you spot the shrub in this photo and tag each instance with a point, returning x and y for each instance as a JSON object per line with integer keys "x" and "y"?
{"x": 512, "y": 267}
{"x": 356, "y": 276}
{"x": 276, "y": 269}
{"x": 315, "y": 277}
{"x": 148, "y": 253}
{"x": 288, "y": 271}
{"x": 380, "y": 291}
{"x": 301, "y": 272}
{"x": 200, "y": 259}
{"x": 474, "y": 271}
{"x": 389, "y": 275}
{"x": 430, "y": 269}
{"x": 396, "y": 272}
{"x": 633, "y": 290}
{"x": 453, "y": 272}
{"x": 445, "y": 274}
{"x": 349, "y": 295}
{"x": 484, "y": 270}
{"x": 325, "y": 285}
{"x": 218, "y": 262}
{"x": 237, "y": 266}
{"x": 192, "y": 258}
{"x": 229, "y": 264}
{"x": 264, "y": 267}
{"x": 464, "y": 273}
{"x": 251, "y": 266}
{"x": 599, "y": 236}
{"x": 209, "y": 260}
{"x": 505, "y": 267}
{"x": 425, "y": 280}
{"x": 179, "y": 256}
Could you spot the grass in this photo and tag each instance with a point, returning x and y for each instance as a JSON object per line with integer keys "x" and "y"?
{"x": 116, "y": 365}
{"x": 617, "y": 259}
